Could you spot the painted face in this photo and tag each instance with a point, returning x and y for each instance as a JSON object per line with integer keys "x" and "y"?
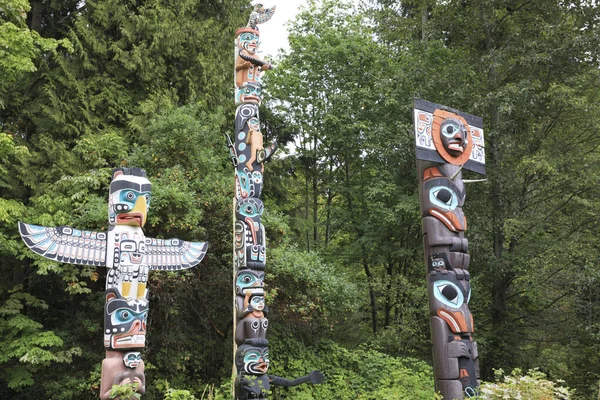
{"x": 248, "y": 41}
{"x": 454, "y": 136}
{"x": 254, "y": 124}
{"x": 248, "y": 279}
{"x": 132, "y": 359}
{"x": 249, "y": 92}
{"x": 256, "y": 360}
{"x": 258, "y": 303}
{"x": 129, "y": 200}
{"x": 124, "y": 322}
{"x": 131, "y": 251}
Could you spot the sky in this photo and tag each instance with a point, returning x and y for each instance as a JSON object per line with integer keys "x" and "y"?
{"x": 273, "y": 33}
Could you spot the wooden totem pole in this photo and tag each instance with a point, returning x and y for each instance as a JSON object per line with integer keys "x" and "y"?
{"x": 129, "y": 256}
{"x": 248, "y": 154}
{"x": 448, "y": 141}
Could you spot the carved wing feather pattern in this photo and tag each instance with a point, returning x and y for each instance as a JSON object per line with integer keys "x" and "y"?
{"x": 173, "y": 254}
{"x": 65, "y": 244}
{"x": 266, "y": 15}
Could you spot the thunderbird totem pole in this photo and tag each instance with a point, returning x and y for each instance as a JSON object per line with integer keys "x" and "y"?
{"x": 448, "y": 141}
{"x": 248, "y": 154}
{"x": 129, "y": 256}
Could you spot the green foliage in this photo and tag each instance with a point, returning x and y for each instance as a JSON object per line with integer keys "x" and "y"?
{"x": 125, "y": 391}
{"x": 358, "y": 373}
{"x": 532, "y": 386}
{"x": 24, "y": 346}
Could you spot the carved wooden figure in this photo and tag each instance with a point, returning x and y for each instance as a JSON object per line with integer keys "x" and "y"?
{"x": 448, "y": 141}
{"x": 129, "y": 256}
{"x": 248, "y": 154}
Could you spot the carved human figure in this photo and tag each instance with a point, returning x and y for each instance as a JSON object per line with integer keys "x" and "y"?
{"x": 248, "y": 65}
{"x": 121, "y": 369}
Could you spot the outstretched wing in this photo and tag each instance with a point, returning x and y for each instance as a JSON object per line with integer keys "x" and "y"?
{"x": 65, "y": 244}
{"x": 266, "y": 15}
{"x": 173, "y": 254}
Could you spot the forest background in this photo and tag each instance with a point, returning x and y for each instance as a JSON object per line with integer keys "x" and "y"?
{"x": 88, "y": 86}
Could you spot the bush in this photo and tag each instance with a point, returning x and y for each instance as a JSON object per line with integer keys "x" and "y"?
{"x": 531, "y": 386}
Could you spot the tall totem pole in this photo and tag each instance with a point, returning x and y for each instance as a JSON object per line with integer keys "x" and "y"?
{"x": 448, "y": 141}
{"x": 129, "y": 256}
{"x": 248, "y": 154}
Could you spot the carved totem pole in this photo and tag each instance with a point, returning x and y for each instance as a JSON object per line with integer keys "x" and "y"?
{"x": 129, "y": 256}
{"x": 448, "y": 141}
{"x": 248, "y": 154}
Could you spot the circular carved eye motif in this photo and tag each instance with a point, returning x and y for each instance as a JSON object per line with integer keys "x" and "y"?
{"x": 450, "y": 129}
{"x": 443, "y": 197}
{"x": 448, "y": 293}
{"x": 129, "y": 196}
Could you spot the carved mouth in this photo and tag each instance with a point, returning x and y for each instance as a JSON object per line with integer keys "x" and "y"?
{"x": 250, "y": 99}
{"x": 131, "y": 218}
{"x": 456, "y": 146}
{"x": 262, "y": 367}
{"x": 129, "y": 341}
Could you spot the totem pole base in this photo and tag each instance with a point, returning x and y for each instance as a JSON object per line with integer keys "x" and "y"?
{"x": 114, "y": 372}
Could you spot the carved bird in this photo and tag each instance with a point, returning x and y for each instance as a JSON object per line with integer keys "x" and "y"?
{"x": 260, "y": 15}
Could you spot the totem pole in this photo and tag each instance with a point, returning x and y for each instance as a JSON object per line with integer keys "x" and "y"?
{"x": 448, "y": 141}
{"x": 248, "y": 154}
{"x": 129, "y": 256}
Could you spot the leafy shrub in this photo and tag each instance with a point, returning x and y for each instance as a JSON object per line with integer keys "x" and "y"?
{"x": 531, "y": 386}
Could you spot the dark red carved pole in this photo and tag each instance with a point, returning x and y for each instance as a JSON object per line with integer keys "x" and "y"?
{"x": 448, "y": 141}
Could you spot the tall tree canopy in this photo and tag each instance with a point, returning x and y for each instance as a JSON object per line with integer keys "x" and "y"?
{"x": 88, "y": 86}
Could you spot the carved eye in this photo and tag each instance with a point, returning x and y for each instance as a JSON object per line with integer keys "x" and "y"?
{"x": 251, "y": 357}
{"x": 448, "y": 293}
{"x": 450, "y": 129}
{"x": 443, "y": 197}
{"x": 130, "y": 196}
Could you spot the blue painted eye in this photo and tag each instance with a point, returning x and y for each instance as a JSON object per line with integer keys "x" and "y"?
{"x": 448, "y": 293}
{"x": 252, "y": 356}
{"x": 443, "y": 197}
{"x": 450, "y": 129}
{"x": 246, "y": 280}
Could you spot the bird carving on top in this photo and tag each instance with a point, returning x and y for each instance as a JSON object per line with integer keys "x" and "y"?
{"x": 260, "y": 15}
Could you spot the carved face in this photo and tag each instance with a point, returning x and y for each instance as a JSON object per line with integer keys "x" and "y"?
{"x": 249, "y": 92}
{"x": 253, "y": 359}
{"x": 454, "y": 136}
{"x": 248, "y": 41}
{"x": 450, "y": 133}
{"x": 248, "y": 279}
{"x": 124, "y": 321}
{"x": 129, "y": 200}
{"x": 254, "y": 124}
{"x": 132, "y": 359}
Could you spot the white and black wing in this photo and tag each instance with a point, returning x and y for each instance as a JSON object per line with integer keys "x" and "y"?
{"x": 265, "y": 15}
{"x": 260, "y": 15}
{"x": 65, "y": 244}
{"x": 173, "y": 254}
